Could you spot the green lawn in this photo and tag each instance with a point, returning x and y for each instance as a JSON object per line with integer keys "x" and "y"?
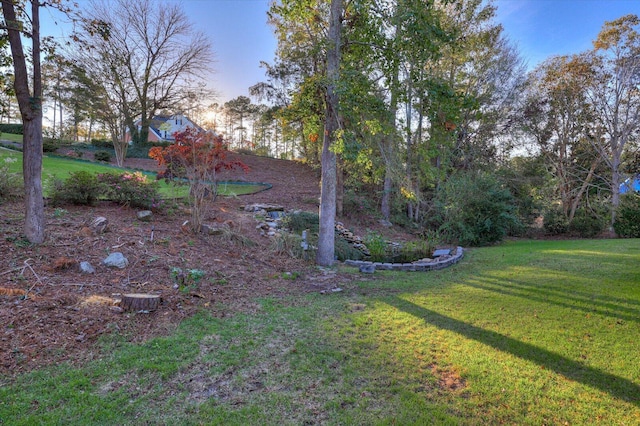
{"x": 11, "y": 137}
{"x": 61, "y": 168}
{"x": 526, "y": 333}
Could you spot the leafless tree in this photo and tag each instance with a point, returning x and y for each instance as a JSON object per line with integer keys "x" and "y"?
{"x": 151, "y": 52}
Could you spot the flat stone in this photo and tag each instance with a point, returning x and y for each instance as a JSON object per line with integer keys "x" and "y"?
{"x": 266, "y": 207}
{"x": 116, "y": 260}
{"x": 441, "y": 252}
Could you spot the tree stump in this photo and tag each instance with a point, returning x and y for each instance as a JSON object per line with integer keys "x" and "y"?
{"x": 140, "y": 302}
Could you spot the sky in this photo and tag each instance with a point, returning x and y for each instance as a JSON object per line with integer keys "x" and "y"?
{"x": 238, "y": 32}
{"x": 241, "y": 37}
{"x": 545, "y": 28}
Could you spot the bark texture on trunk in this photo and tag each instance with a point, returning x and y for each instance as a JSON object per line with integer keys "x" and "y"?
{"x": 31, "y": 112}
{"x": 326, "y": 241}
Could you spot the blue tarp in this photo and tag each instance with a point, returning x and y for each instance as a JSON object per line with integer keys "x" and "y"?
{"x": 631, "y": 184}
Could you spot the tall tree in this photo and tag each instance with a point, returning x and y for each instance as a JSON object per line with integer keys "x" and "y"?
{"x": 326, "y": 240}
{"x": 561, "y": 120}
{"x": 30, "y": 102}
{"x": 239, "y": 110}
{"x": 615, "y": 77}
{"x": 151, "y": 49}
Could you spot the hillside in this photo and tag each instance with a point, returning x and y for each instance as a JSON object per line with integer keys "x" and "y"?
{"x": 65, "y": 311}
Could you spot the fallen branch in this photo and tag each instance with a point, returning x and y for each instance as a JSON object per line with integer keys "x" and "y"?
{"x": 26, "y": 265}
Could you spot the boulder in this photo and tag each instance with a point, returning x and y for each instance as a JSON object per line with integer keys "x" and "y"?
{"x": 116, "y": 260}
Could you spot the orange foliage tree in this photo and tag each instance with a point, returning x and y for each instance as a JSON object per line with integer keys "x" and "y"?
{"x": 197, "y": 157}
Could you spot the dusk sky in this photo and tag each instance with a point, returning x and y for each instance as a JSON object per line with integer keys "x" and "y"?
{"x": 241, "y": 37}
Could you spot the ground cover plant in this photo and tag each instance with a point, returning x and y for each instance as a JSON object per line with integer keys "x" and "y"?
{"x": 55, "y": 167}
{"x": 529, "y": 332}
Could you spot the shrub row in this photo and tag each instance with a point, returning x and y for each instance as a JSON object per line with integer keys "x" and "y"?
{"x": 84, "y": 188}
{"x": 16, "y": 129}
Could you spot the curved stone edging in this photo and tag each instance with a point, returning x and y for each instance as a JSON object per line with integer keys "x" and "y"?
{"x": 409, "y": 267}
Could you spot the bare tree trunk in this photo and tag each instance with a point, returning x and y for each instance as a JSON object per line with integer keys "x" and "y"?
{"x": 339, "y": 189}
{"x": 585, "y": 184}
{"x": 385, "y": 206}
{"x": 615, "y": 183}
{"x": 31, "y": 112}
{"x": 326, "y": 241}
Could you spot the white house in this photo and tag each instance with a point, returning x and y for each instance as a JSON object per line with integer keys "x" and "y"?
{"x": 162, "y": 128}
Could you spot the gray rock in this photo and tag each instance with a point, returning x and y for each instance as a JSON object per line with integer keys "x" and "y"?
{"x": 145, "y": 215}
{"x": 265, "y": 207}
{"x": 368, "y": 269}
{"x": 86, "y": 268}
{"x": 116, "y": 260}
{"x": 441, "y": 252}
{"x": 99, "y": 225}
{"x": 276, "y": 214}
{"x": 211, "y": 230}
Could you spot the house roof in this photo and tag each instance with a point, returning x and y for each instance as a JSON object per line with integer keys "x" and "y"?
{"x": 164, "y": 126}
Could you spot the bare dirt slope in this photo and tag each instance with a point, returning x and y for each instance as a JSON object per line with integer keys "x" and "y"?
{"x": 64, "y": 311}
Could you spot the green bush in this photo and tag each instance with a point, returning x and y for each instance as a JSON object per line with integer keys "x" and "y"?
{"x": 414, "y": 250}
{"x": 50, "y": 145}
{"x": 142, "y": 150}
{"x": 80, "y": 188}
{"x": 102, "y": 156}
{"x": 132, "y": 189}
{"x": 11, "y": 184}
{"x": 377, "y": 246}
{"x": 16, "y": 129}
{"x": 474, "y": 209}
{"x": 627, "y": 222}
{"x": 555, "y": 222}
{"x": 298, "y": 222}
{"x": 344, "y": 250}
{"x": 102, "y": 143}
{"x": 586, "y": 225}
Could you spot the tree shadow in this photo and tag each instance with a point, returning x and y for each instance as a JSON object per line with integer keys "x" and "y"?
{"x": 545, "y": 294}
{"x": 615, "y": 386}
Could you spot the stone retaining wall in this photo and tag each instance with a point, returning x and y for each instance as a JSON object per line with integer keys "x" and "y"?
{"x": 415, "y": 266}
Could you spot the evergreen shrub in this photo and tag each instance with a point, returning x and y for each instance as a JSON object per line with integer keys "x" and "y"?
{"x": 474, "y": 209}
{"x": 627, "y": 222}
{"x": 132, "y": 189}
{"x": 102, "y": 156}
{"x": 80, "y": 187}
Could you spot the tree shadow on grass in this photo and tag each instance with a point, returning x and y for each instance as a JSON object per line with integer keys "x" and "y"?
{"x": 615, "y": 386}
{"x": 588, "y": 303}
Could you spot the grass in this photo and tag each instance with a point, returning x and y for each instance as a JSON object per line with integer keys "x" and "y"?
{"x": 11, "y": 137}
{"x": 57, "y": 167}
{"x": 525, "y": 333}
